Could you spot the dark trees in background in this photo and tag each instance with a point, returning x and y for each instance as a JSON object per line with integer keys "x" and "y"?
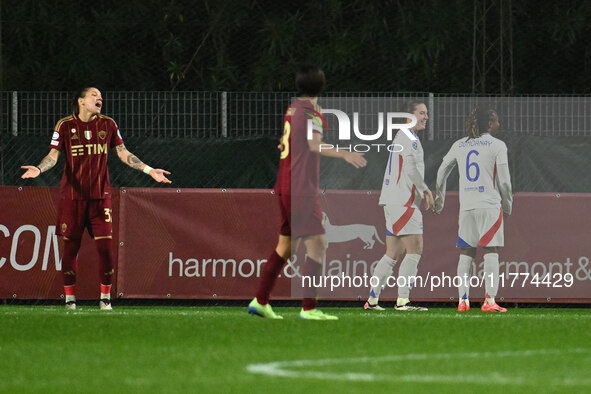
{"x": 251, "y": 45}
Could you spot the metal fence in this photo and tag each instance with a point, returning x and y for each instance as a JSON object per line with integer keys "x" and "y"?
{"x": 229, "y": 139}
{"x": 256, "y": 114}
{"x": 147, "y": 114}
{"x": 550, "y": 116}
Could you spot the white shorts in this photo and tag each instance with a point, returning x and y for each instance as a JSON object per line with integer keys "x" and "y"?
{"x": 480, "y": 228}
{"x": 403, "y": 220}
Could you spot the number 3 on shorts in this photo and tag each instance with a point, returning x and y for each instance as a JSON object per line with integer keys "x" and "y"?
{"x": 108, "y": 215}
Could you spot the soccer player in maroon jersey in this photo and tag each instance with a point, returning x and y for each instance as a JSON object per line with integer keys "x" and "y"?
{"x": 86, "y": 137}
{"x": 299, "y": 200}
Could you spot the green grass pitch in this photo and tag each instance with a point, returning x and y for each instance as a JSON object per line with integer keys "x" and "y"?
{"x": 169, "y": 349}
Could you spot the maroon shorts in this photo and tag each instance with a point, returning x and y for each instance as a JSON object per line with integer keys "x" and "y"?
{"x": 76, "y": 215}
{"x": 300, "y": 216}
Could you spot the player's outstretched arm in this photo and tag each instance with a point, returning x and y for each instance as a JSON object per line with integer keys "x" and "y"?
{"x": 354, "y": 158}
{"x": 159, "y": 175}
{"x": 48, "y": 162}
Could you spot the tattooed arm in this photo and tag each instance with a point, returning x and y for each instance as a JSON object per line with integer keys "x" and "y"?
{"x": 47, "y": 163}
{"x": 129, "y": 158}
{"x": 132, "y": 160}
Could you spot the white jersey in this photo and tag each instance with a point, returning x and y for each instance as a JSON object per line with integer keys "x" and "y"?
{"x": 483, "y": 170}
{"x": 404, "y": 175}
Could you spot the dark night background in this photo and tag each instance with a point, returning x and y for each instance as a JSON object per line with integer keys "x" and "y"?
{"x": 391, "y": 47}
{"x": 253, "y": 45}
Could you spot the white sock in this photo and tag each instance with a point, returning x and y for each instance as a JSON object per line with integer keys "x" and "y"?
{"x": 491, "y": 276}
{"x": 70, "y": 298}
{"x": 408, "y": 271}
{"x": 464, "y": 268}
{"x": 382, "y": 271}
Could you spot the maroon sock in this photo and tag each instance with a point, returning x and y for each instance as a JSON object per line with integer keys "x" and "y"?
{"x": 270, "y": 273}
{"x": 70, "y": 261}
{"x": 313, "y": 270}
{"x": 106, "y": 270}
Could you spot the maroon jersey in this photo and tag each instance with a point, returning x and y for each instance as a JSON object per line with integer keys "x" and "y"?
{"x": 299, "y": 168}
{"x": 86, "y": 145}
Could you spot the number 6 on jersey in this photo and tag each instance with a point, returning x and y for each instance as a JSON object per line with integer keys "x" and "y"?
{"x": 473, "y": 164}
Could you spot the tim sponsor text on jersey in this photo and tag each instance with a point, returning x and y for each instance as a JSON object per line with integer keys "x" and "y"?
{"x": 89, "y": 149}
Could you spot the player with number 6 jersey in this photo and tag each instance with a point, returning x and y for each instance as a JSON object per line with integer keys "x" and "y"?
{"x": 485, "y": 195}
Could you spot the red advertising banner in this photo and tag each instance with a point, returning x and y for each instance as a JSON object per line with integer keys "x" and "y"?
{"x": 545, "y": 258}
{"x": 195, "y": 243}
{"x": 213, "y": 244}
{"x": 30, "y": 252}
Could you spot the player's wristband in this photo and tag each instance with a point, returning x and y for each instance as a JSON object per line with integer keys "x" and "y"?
{"x": 39, "y": 170}
{"x": 147, "y": 169}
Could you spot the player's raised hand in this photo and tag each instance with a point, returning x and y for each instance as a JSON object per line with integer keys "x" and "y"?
{"x": 32, "y": 172}
{"x": 158, "y": 175}
{"x": 356, "y": 159}
{"x": 428, "y": 200}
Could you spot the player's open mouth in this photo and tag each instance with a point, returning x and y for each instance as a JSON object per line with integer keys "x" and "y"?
{"x": 98, "y": 105}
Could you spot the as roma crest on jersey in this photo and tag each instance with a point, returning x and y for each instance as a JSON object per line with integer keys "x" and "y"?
{"x": 64, "y": 227}
{"x": 102, "y": 134}
{"x": 87, "y": 134}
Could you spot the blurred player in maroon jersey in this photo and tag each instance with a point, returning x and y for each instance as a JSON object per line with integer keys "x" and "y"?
{"x": 86, "y": 137}
{"x": 299, "y": 200}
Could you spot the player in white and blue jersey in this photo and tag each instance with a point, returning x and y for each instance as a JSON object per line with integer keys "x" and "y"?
{"x": 403, "y": 189}
{"x": 485, "y": 195}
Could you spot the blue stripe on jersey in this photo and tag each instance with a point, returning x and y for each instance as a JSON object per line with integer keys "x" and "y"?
{"x": 462, "y": 244}
{"x": 390, "y": 233}
{"x": 390, "y": 163}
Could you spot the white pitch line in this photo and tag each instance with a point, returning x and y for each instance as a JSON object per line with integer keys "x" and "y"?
{"x": 282, "y": 368}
